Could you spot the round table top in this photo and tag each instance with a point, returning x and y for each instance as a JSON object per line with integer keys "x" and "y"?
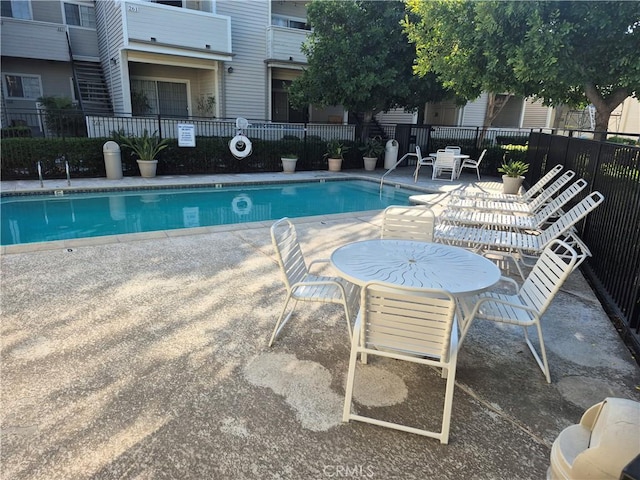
{"x": 415, "y": 264}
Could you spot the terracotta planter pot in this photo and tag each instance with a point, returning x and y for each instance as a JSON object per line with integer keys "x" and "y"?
{"x": 335, "y": 164}
{"x": 511, "y": 185}
{"x": 147, "y": 168}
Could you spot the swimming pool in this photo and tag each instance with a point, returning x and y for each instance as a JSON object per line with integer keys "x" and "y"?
{"x": 42, "y": 218}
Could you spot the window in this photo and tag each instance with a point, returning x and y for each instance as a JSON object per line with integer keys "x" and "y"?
{"x": 16, "y": 9}
{"x": 171, "y": 3}
{"x": 23, "y": 86}
{"x": 290, "y": 22}
{"x": 80, "y": 15}
{"x": 152, "y": 97}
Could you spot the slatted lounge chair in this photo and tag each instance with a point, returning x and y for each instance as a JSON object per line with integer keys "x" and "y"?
{"x": 525, "y": 197}
{"x": 517, "y": 245}
{"x": 408, "y": 223}
{"x": 410, "y": 324}
{"x": 514, "y": 207}
{"x": 511, "y": 221}
{"x": 529, "y": 302}
{"x": 301, "y": 284}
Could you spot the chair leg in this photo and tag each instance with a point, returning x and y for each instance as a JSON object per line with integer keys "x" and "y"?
{"x": 281, "y": 323}
{"x": 542, "y": 363}
{"x": 415, "y": 173}
{"x": 478, "y": 173}
{"x": 348, "y": 394}
{"x": 347, "y": 315}
{"x": 448, "y": 405}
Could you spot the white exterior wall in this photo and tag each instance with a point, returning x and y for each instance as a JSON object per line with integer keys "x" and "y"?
{"x": 246, "y": 89}
{"x": 535, "y": 114}
{"x": 626, "y": 118}
{"x": 473, "y": 112}
{"x": 110, "y": 27}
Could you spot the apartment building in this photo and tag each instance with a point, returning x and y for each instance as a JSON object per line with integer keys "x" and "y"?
{"x": 183, "y": 58}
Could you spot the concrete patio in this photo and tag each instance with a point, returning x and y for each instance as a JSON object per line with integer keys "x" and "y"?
{"x": 145, "y": 356}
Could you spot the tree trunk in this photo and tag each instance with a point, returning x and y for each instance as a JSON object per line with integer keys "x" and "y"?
{"x": 604, "y": 107}
{"x": 494, "y": 107}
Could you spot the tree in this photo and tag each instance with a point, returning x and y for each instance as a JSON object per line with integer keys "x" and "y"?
{"x": 572, "y": 53}
{"x": 359, "y": 57}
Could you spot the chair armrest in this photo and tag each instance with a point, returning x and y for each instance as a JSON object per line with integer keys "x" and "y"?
{"x": 317, "y": 261}
{"x": 511, "y": 282}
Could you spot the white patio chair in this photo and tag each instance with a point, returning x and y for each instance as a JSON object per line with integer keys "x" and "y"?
{"x": 453, "y": 148}
{"x": 301, "y": 284}
{"x": 474, "y": 164}
{"x": 519, "y": 246}
{"x": 516, "y": 222}
{"x": 445, "y": 162}
{"x": 525, "y": 197}
{"x": 408, "y": 223}
{"x": 530, "y": 207}
{"x": 421, "y": 162}
{"x": 410, "y": 324}
{"x": 529, "y": 302}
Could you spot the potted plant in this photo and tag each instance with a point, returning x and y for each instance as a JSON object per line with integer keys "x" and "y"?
{"x": 335, "y": 155}
{"x": 289, "y": 162}
{"x": 512, "y": 179}
{"x": 146, "y": 148}
{"x": 371, "y": 151}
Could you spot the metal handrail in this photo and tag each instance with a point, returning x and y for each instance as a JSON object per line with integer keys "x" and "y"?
{"x": 404, "y": 157}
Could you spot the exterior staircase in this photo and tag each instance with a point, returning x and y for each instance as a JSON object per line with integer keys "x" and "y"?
{"x": 92, "y": 88}
{"x": 370, "y": 130}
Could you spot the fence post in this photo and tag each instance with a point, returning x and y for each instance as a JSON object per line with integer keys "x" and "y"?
{"x": 159, "y": 127}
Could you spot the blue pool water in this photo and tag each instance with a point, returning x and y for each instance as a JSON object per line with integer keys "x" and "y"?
{"x": 41, "y": 218}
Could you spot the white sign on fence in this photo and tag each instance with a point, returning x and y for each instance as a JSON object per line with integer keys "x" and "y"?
{"x": 186, "y": 135}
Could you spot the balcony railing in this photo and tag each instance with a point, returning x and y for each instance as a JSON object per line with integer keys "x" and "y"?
{"x": 32, "y": 39}
{"x": 181, "y": 28}
{"x": 284, "y": 43}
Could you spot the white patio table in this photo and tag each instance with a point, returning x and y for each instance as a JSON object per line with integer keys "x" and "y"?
{"x": 415, "y": 264}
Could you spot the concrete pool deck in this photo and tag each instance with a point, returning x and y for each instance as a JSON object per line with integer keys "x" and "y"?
{"x": 146, "y": 357}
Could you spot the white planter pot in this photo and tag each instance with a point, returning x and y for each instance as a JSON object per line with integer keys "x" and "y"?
{"x": 511, "y": 185}
{"x": 288, "y": 164}
{"x": 147, "y": 168}
{"x": 370, "y": 163}
{"x": 335, "y": 164}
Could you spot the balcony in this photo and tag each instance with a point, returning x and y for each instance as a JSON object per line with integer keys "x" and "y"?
{"x": 283, "y": 44}
{"x": 177, "y": 31}
{"x": 31, "y": 39}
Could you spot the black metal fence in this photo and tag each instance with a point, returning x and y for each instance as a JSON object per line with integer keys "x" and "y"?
{"x": 612, "y": 231}
{"x": 55, "y": 137}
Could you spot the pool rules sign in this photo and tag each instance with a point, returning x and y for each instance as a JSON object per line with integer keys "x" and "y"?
{"x": 186, "y": 135}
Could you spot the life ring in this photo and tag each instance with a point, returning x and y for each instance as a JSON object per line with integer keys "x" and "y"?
{"x": 242, "y": 205}
{"x": 242, "y": 141}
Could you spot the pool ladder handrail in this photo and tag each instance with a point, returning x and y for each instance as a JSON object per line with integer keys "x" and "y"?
{"x": 404, "y": 157}
{"x": 66, "y": 168}
{"x": 40, "y": 174}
